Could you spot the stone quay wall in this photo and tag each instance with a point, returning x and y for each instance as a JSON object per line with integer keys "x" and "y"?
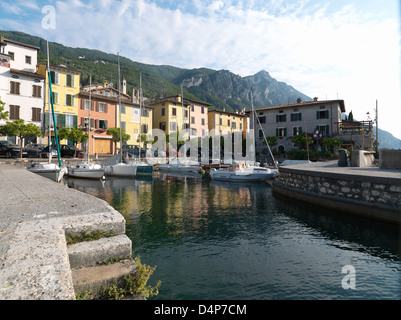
{"x": 371, "y": 196}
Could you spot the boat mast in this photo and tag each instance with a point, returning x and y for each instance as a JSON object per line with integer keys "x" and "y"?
{"x": 52, "y": 104}
{"x": 140, "y": 115}
{"x": 48, "y": 104}
{"x": 89, "y": 121}
{"x": 119, "y": 102}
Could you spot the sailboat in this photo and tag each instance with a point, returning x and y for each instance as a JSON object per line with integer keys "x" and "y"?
{"x": 245, "y": 172}
{"x": 50, "y": 170}
{"x": 87, "y": 170}
{"x": 115, "y": 166}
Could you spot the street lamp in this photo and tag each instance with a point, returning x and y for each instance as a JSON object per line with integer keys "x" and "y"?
{"x": 317, "y": 134}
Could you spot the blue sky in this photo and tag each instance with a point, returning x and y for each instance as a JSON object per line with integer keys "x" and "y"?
{"x": 327, "y": 49}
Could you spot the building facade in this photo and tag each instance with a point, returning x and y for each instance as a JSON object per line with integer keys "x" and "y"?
{"x": 223, "y": 122}
{"x": 198, "y": 114}
{"x": 96, "y": 114}
{"x": 65, "y": 84}
{"x": 320, "y": 118}
{"x": 21, "y": 86}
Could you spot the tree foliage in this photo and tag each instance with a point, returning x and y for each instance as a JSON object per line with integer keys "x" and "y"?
{"x": 19, "y": 129}
{"x": 115, "y": 135}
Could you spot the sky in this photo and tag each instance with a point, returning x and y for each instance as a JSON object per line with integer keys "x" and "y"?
{"x": 330, "y": 49}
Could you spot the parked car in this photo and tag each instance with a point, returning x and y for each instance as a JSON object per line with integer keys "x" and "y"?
{"x": 70, "y": 151}
{"x": 10, "y": 150}
{"x": 152, "y": 152}
{"x": 34, "y": 149}
{"x": 44, "y": 153}
{"x": 134, "y": 151}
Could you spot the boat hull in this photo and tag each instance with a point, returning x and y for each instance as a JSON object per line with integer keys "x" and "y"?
{"x": 86, "y": 173}
{"x": 121, "y": 170}
{"x": 49, "y": 171}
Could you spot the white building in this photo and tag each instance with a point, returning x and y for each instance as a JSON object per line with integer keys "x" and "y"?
{"x": 21, "y": 88}
{"x": 286, "y": 121}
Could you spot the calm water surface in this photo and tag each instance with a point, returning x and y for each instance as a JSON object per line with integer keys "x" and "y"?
{"x": 219, "y": 240}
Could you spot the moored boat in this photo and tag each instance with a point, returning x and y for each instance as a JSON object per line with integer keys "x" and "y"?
{"x": 246, "y": 173}
{"x": 48, "y": 170}
{"x": 87, "y": 171}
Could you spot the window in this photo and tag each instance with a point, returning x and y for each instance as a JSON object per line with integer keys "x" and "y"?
{"x": 262, "y": 119}
{"x": 228, "y": 122}
{"x": 123, "y": 109}
{"x": 322, "y": 114}
{"x": 281, "y": 132}
{"x": 28, "y": 59}
{"x": 260, "y": 134}
{"x": 234, "y": 125}
{"x": 203, "y": 110}
{"x": 324, "y": 130}
{"x": 296, "y": 117}
{"x": 12, "y": 55}
{"x": 70, "y": 80}
{"x": 103, "y": 124}
{"x": 281, "y": 118}
{"x": 144, "y": 128}
{"x": 69, "y": 100}
{"x": 54, "y": 77}
{"x": 162, "y": 126}
{"x": 174, "y": 111}
{"x": 69, "y": 121}
{"x": 15, "y": 87}
{"x": 14, "y": 112}
{"x": 37, "y": 91}
{"x": 221, "y": 121}
{"x": 145, "y": 113}
{"x": 185, "y": 113}
{"x": 163, "y": 111}
{"x": 192, "y": 108}
{"x": 55, "y": 97}
{"x": 87, "y": 104}
{"x": 194, "y": 132}
{"x": 193, "y": 120}
{"x": 203, "y": 122}
{"x": 173, "y": 126}
{"x": 123, "y": 126}
{"x": 297, "y": 131}
{"x": 36, "y": 112}
{"x": 102, "y": 107}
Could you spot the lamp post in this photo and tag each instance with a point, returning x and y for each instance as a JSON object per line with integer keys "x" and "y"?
{"x": 317, "y": 134}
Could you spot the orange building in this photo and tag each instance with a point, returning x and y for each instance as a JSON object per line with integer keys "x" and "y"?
{"x": 102, "y": 114}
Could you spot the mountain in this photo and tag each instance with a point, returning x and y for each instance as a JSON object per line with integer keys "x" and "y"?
{"x": 221, "y": 89}
{"x": 387, "y": 140}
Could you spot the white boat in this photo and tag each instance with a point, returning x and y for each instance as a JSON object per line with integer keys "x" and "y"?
{"x": 184, "y": 166}
{"x": 86, "y": 170}
{"x": 116, "y": 167}
{"x": 48, "y": 170}
{"x": 245, "y": 173}
{"x": 142, "y": 168}
{"x": 121, "y": 170}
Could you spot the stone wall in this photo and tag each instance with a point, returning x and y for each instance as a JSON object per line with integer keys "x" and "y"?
{"x": 374, "y": 196}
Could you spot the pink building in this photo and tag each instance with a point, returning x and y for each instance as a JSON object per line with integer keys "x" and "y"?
{"x": 198, "y": 117}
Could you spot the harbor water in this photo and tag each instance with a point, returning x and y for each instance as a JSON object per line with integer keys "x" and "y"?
{"x": 236, "y": 241}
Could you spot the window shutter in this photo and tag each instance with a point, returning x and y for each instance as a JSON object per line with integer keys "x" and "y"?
{"x": 277, "y": 132}
{"x": 105, "y": 107}
{"x": 97, "y": 106}
{"x": 82, "y": 104}
{"x": 285, "y": 132}
{"x": 92, "y": 105}
{"x": 327, "y": 129}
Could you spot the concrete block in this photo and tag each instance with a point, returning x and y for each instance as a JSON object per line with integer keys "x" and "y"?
{"x": 390, "y": 159}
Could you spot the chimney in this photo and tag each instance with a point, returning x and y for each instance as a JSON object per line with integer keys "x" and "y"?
{"x": 124, "y": 86}
{"x": 299, "y": 100}
{"x": 178, "y": 97}
{"x": 315, "y": 99}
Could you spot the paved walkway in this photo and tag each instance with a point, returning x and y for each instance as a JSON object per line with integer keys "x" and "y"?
{"x": 35, "y": 212}
{"x": 333, "y": 168}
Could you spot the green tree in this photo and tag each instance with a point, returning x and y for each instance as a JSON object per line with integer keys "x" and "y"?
{"x": 350, "y": 116}
{"x": 302, "y": 140}
{"x": 271, "y": 141}
{"x": 19, "y": 129}
{"x": 3, "y": 114}
{"x": 115, "y": 135}
{"x": 76, "y": 135}
{"x": 331, "y": 143}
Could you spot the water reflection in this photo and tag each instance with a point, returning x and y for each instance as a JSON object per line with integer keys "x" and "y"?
{"x": 218, "y": 240}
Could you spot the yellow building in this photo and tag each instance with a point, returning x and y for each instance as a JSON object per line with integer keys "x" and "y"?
{"x": 223, "y": 122}
{"x": 65, "y": 87}
{"x": 132, "y": 123}
{"x": 171, "y": 115}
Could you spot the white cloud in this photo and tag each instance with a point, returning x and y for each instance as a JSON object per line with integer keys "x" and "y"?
{"x": 319, "y": 52}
